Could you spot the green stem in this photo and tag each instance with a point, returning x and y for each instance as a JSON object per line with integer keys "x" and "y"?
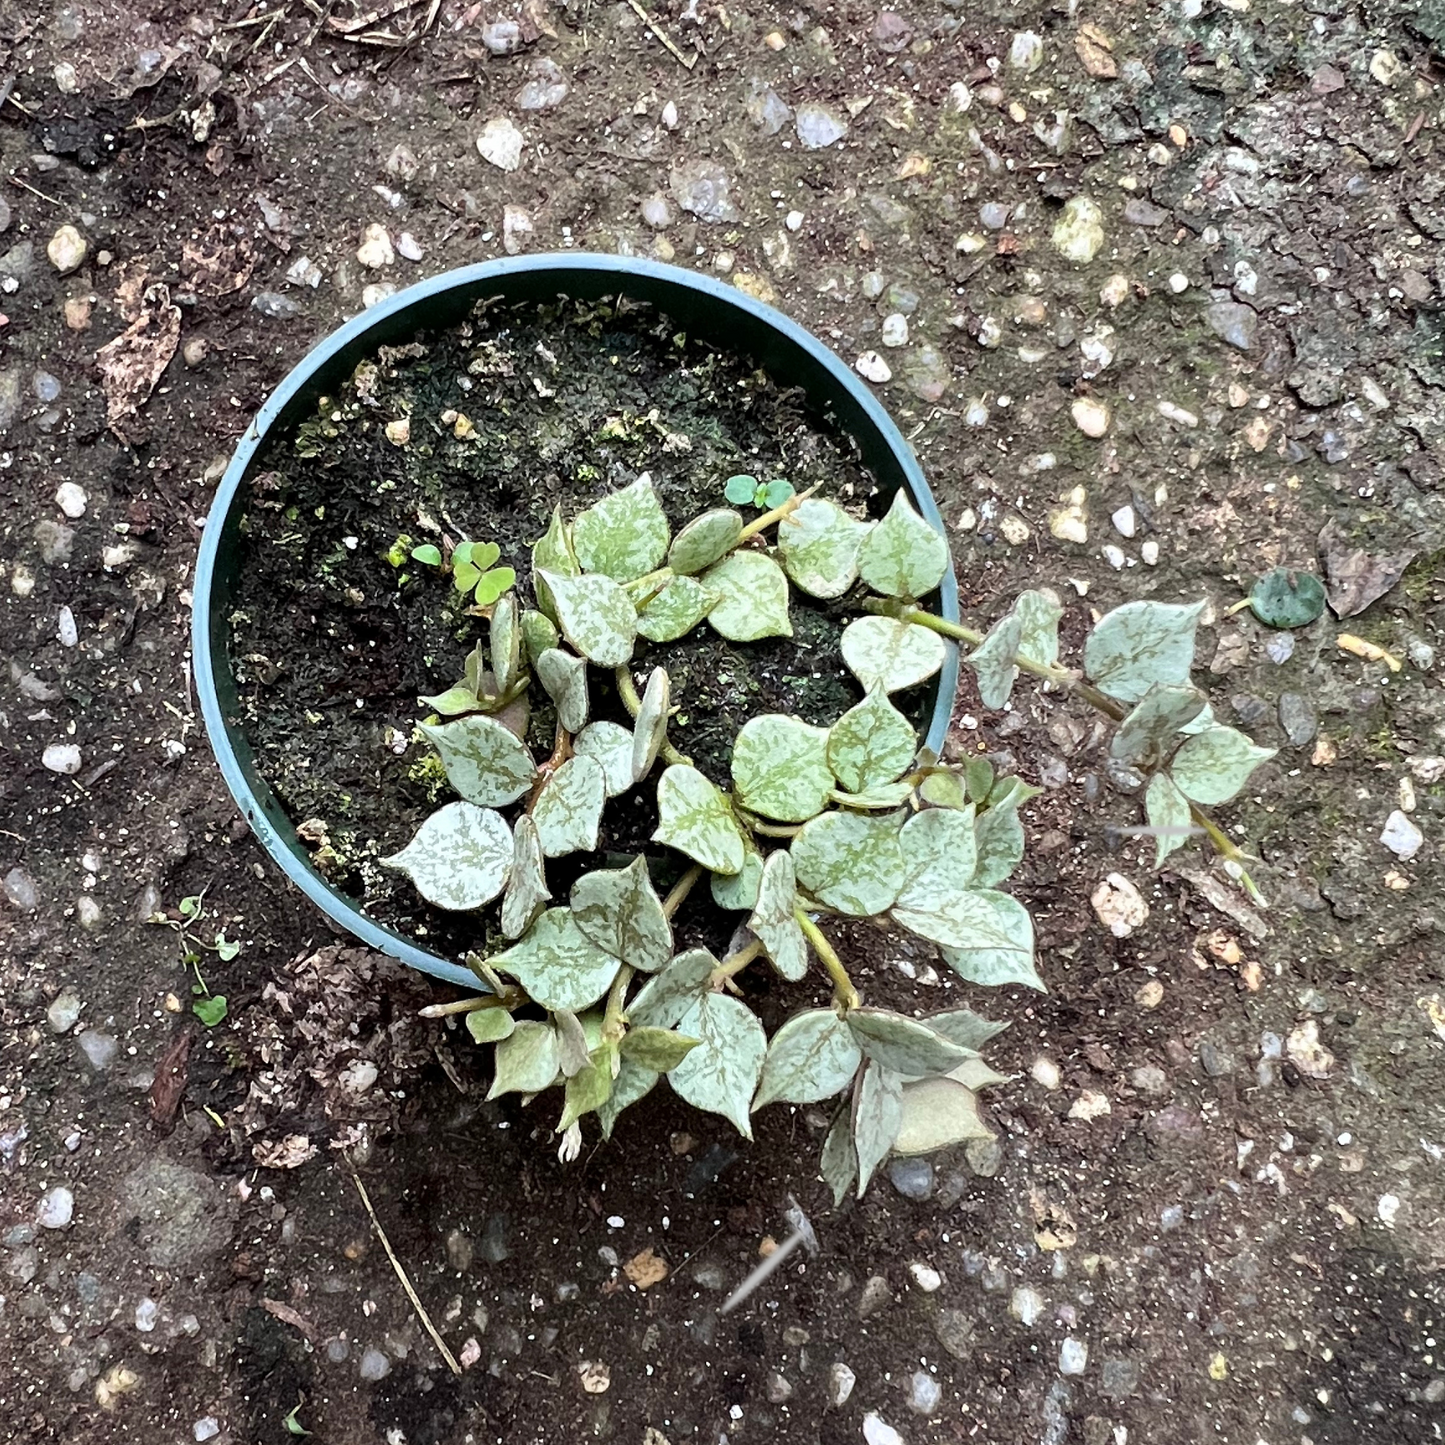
{"x": 768, "y": 830}
{"x": 843, "y": 990}
{"x": 681, "y": 889}
{"x": 776, "y": 515}
{"x": 463, "y": 1006}
{"x": 736, "y": 964}
{"x": 627, "y": 691}
{"x": 612, "y": 1025}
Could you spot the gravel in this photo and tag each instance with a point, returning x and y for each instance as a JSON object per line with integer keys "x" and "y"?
{"x": 1233, "y": 322}
{"x": 57, "y": 1208}
{"x": 818, "y": 126}
{"x": 99, "y": 1049}
{"x": 912, "y": 1177}
{"x": 1073, "y": 1357}
{"x": 840, "y": 1385}
{"x": 19, "y": 889}
{"x": 877, "y": 1431}
{"x": 1026, "y": 1305}
{"x": 374, "y": 1365}
{"x": 63, "y": 758}
{"x": 924, "y": 1393}
{"x": 63, "y": 1012}
{"x": 1401, "y": 836}
{"x": 500, "y": 143}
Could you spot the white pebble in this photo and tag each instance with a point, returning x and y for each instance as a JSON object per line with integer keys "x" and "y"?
{"x": 1119, "y": 905}
{"x": 840, "y": 1384}
{"x": 66, "y": 250}
{"x": 924, "y": 1393}
{"x": 1089, "y": 1106}
{"x": 1387, "y": 1207}
{"x": 357, "y": 1077}
{"x": 408, "y": 247}
{"x": 375, "y": 249}
{"x": 872, "y": 367}
{"x": 877, "y": 1431}
{"x": 925, "y": 1277}
{"x": 669, "y": 115}
{"x": 1401, "y": 836}
{"x": 615, "y": 1221}
{"x": 1046, "y": 1072}
{"x": 976, "y": 413}
{"x": 1073, "y": 1357}
{"x": 1178, "y": 283}
{"x": 794, "y": 220}
{"x": 65, "y": 628}
{"x": 61, "y": 758}
{"x": 1149, "y": 553}
{"x": 1114, "y": 555}
{"x": 990, "y": 332}
{"x": 1170, "y": 412}
{"x": 500, "y": 143}
{"x": 146, "y": 1311}
{"x": 1125, "y": 522}
{"x": 1090, "y": 416}
{"x": 57, "y": 1206}
{"x": 1026, "y": 1305}
{"x": 71, "y": 500}
{"x": 895, "y": 330}
{"x": 206, "y": 1428}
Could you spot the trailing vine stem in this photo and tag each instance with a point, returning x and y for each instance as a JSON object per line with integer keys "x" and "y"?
{"x": 724, "y": 973}
{"x": 843, "y": 990}
{"x": 1071, "y": 681}
{"x": 627, "y": 691}
{"x": 681, "y": 889}
{"x": 613, "y": 1026}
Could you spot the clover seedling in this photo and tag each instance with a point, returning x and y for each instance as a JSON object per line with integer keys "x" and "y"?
{"x": 744, "y": 491}
{"x": 473, "y": 571}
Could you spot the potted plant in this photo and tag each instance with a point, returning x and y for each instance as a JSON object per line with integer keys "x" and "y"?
{"x": 554, "y": 723}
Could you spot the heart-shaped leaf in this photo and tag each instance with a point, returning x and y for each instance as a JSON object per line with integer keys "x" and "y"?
{"x": 706, "y": 538}
{"x": 999, "y": 839}
{"x": 944, "y": 790}
{"x": 1153, "y": 721}
{"x": 527, "y": 886}
{"x": 565, "y": 678}
{"x": 651, "y": 726}
{"x": 903, "y": 556}
{"x": 595, "y": 615}
{"x": 870, "y": 744}
{"x": 527, "y": 1060}
{"x": 1140, "y": 644}
{"x": 506, "y": 638}
{"x": 940, "y": 848}
{"x": 938, "y": 1113}
{"x": 624, "y": 535}
{"x": 454, "y": 702}
{"x": 993, "y": 661}
{"x": 839, "y": 1162}
{"x": 998, "y": 945}
{"x": 588, "y": 1089}
{"x": 1038, "y": 614}
{"x": 558, "y": 965}
{"x": 539, "y": 633}
{"x": 676, "y": 610}
{"x": 568, "y": 810}
{"x": 774, "y": 921}
{"x": 973, "y": 920}
{"x": 850, "y": 862}
{"x": 633, "y": 1082}
{"x": 660, "y": 1050}
{"x": 739, "y": 890}
{"x": 609, "y": 744}
{"x": 491, "y": 585}
{"x": 1212, "y": 767}
{"x": 882, "y": 652}
{"x": 487, "y": 763}
{"x": 574, "y": 1049}
{"x": 1167, "y": 811}
{"x": 694, "y": 817}
{"x": 819, "y": 545}
{"x": 877, "y": 1117}
{"x": 552, "y": 552}
{"x": 460, "y": 857}
{"x": 965, "y": 1027}
{"x": 668, "y": 994}
{"x": 904, "y": 1045}
{"x": 721, "y": 1074}
{"x": 1286, "y": 598}
{"x": 490, "y": 1025}
{"x": 619, "y": 910}
{"x": 812, "y": 1057}
{"x": 780, "y": 768}
{"x": 752, "y": 594}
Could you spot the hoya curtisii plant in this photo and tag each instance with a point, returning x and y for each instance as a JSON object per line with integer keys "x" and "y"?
{"x": 814, "y": 825}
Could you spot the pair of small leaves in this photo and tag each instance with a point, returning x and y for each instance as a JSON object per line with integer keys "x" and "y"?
{"x": 745, "y": 491}
{"x": 1030, "y": 630}
{"x": 1149, "y": 729}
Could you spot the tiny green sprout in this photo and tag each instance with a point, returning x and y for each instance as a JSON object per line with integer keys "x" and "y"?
{"x": 428, "y": 554}
{"x": 473, "y": 571}
{"x": 189, "y": 907}
{"x": 292, "y": 1424}
{"x": 226, "y": 950}
{"x": 743, "y": 491}
{"x": 211, "y": 1011}
{"x": 399, "y": 551}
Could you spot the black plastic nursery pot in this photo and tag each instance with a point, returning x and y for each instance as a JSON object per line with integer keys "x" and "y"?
{"x": 704, "y": 307}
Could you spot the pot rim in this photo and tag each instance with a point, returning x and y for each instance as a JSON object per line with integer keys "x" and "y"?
{"x": 376, "y": 326}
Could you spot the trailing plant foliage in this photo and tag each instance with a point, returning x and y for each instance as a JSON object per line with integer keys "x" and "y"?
{"x": 590, "y": 993}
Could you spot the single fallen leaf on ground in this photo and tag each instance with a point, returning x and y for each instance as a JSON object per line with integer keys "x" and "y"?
{"x": 217, "y": 263}
{"x": 646, "y": 1269}
{"x": 169, "y": 1083}
{"x": 288, "y": 1153}
{"x": 1357, "y": 578}
{"x": 132, "y": 363}
{"x": 1093, "y": 48}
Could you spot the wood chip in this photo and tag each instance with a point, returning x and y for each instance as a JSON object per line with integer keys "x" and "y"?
{"x": 646, "y": 1269}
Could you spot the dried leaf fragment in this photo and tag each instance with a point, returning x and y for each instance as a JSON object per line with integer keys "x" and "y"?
{"x": 646, "y": 1269}
{"x": 1094, "y": 50}
{"x": 131, "y": 364}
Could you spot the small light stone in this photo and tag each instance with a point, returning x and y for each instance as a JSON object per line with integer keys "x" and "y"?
{"x": 976, "y": 413}
{"x": 1173, "y": 413}
{"x": 1027, "y": 51}
{"x": 61, "y": 758}
{"x": 840, "y": 1385}
{"x": 87, "y": 913}
{"x": 63, "y": 1012}
{"x": 65, "y": 628}
{"x": 1046, "y": 1072}
{"x": 1070, "y": 522}
{"x": 1114, "y": 555}
{"x": 1386, "y": 1208}
{"x": 408, "y": 247}
{"x": 1401, "y": 836}
{"x": 895, "y": 330}
{"x": 375, "y": 249}
{"x": 925, "y": 1277}
{"x": 924, "y": 1393}
{"x": 57, "y": 1208}
{"x": 669, "y": 115}
{"x": 959, "y": 98}
{"x": 500, "y": 144}
{"x": 77, "y": 313}
{"x": 656, "y": 212}
{"x": 1119, "y": 905}
{"x": 195, "y": 351}
{"x": 1079, "y": 232}
{"x": 1014, "y": 529}
{"x": 877, "y": 1431}
{"x": 206, "y": 1428}
{"x": 1073, "y": 1357}
{"x": 1026, "y": 1306}
{"x": 1307, "y": 1053}
{"x": 1125, "y": 522}
{"x": 517, "y": 229}
{"x": 1089, "y": 1106}
{"x": 71, "y": 500}
{"x": 1149, "y": 995}
{"x": 872, "y": 367}
{"x": 1090, "y": 416}
{"x": 1385, "y": 67}
{"x": 376, "y": 293}
{"x": 1114, "y": 292}
{"x": 357, "y": 1077}
{"x": 146, "y": 1311}
{"x": 1178, "y": 283}
{"x": 66, "y": 249}
{"x": 970, "y": 243}
{"x": 398, "y": 432}
{"x": 1149, "y": 553}
{"x": 374, "y": 1365}
{"x": 794, "y": 220}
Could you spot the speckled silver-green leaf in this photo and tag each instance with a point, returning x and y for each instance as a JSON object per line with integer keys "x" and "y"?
{"x": 1038, "y": 614}
{"x": 903, "y": 556}
{"x": 993, "y": 661}
{"x": 839, "y": 1162}
{"x": 610, "y": 744}
{"x": 773, "y": 919}
{"x": 552, "y": 552}
{"x": 703, "y": 540}
{"x": 1167, "y": 810}
{"x": 460, "y": 857}
{"x": 595, "y": 615}
{"x": 573, "y": 1049}
{"x": 486, "y": 762}
{"x": 527, "y": 886}
{"x": 965, "y": 1027}
{"x": 453, "y": 702}
{"x": 944, "y": 790}
{"x": 871, "y": 743}
{"x": 1151, "y": 724}
{"x": 618, "y": 909}
{"x": 633, "y": 1082}
{"x": 940, "y": 848}
{"x": 1140, "y": 644}
{"x": 623, "y": 535}
{"x": 669, "y": 993}
{"x": 1213, "y": 766}
{"x": 999, "y": 839}
{"x": 877, "y": 1117}
{"x": 539, "y": 633}
{"x": 780, "y": 768}
{"x": 938, "y": 1113}
{"x": 740, "y": 890}
{"x": 565, "y": 679}
{"x": 558, "y": 965}
{"x": 660, "y": 1050}
{"x": 650, "y": 728}
{"x": 721, "y": 1074}
{"x": 676, "y": 610}
{"x": 904, "y": 1045}
{"x": 819, "y": 547}
{"x": 526, "y": 1060}
{"x": 506, "y": 640}
{"x": 694, "y": 817}
{"x": 569, "y": 807}
{"x": 752, "y": 597}
{"x": 812, "y": 1057}
{"x": 882, "y": 652}
{"x": 490, "y": 1025}
{"x": 998, "y": 939}
{"x": 589, "y": 1088}
{"x": 850, "y": 862}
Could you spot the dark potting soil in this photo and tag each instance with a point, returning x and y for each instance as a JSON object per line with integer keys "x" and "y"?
{"x": 332, "y": 644}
